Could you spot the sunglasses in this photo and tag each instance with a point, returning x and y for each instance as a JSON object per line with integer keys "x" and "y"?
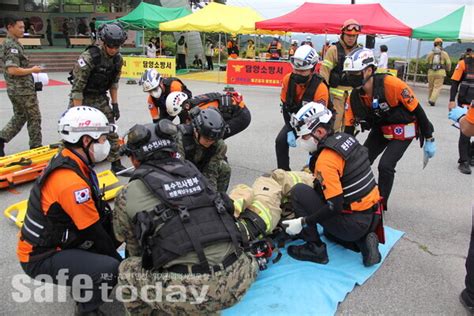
{"x": 113, "y": 46}
{"x": 353, "y": 27}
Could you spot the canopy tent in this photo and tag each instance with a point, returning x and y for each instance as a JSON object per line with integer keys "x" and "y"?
{"x": 149, "y": 16}
{"x": 318, "y": 18}
{"x": 458, "y": 25}
{"x": 217, "y": 17}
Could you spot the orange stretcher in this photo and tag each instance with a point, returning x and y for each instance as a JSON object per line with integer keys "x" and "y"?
{"x": 107, "y": 178}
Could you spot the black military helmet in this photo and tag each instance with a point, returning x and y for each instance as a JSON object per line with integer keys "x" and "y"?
{"x": 112, "y": 34}
{"x": 149, "y": 140}
{"x": 209, "y": 123}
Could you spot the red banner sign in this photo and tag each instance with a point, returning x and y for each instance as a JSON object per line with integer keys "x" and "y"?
{"x": 257, "y": 73}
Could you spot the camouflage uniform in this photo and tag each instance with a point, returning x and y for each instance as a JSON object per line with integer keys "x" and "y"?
{"x": 217, "y": 170}
{"x": 22, "y": 94}
{"x": 224, "y": 288}
{"x": 81, "y": 72}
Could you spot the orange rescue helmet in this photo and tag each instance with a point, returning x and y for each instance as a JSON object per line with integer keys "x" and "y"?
{"x": 351, "y": 27}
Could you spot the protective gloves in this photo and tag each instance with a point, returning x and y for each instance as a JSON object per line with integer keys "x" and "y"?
{"x": 116, "y": 111}
{"x": 429, "y": 148}
{"x": 456, "y": 113}
{"x": 293, "y": 226}
{"x": 291, "y": 139}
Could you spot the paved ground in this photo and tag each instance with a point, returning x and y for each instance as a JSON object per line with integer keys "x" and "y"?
{"x": 423, "y": 274}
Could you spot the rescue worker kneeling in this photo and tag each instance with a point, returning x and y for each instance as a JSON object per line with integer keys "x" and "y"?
{"x": 178, "y": 231}
{"x": 345, "y": 197}
{"x": 67, "y": 225}
{"x": 230, "y": 104}
{"x": 201, "y": 143}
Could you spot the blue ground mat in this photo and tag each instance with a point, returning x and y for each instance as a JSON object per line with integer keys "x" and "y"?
{"x": 292, "y": 287}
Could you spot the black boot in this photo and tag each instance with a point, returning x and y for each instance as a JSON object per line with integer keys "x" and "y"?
{"x": 466, "y": 302}
{"x": 369, "y": 247}
{"x": 2, "y": 147}
{"x": 431, "y": 103}
{"x": 309, "y": 252}
{"x": 464, "y": 167}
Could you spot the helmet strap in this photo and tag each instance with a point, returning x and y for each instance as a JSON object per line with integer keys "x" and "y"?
{"x": 86, "y": 151}
{"x": 347, "y": 45}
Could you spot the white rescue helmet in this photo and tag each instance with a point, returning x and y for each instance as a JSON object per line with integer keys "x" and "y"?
{"x": 309, "y": 117}
{"x": 359, "y": 59}
{"x": 174, "y": 102}
{"x": 83, "y": 120}
{"x": 305, "y": 58}
{"x": 150, "y": 80}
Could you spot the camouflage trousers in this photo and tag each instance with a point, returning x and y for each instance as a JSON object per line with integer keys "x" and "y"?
{"x": 25, "y": 110}
{"x": 223, "y": 178}
{"x": 150, "y": 293}
{"x": 101, "y": 102}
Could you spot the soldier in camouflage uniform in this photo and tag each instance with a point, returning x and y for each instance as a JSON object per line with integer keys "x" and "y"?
{"x": 20, "y": 87}
{"x": 201, "y": 143}
{"x": 97, "y": 71}
{"x": 160, "y": 215}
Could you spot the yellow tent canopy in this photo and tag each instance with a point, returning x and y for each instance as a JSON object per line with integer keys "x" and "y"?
{"x": 216, "y": 17}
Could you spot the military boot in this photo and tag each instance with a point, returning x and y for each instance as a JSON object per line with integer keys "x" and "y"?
{"x": 466, "y": 302}
{"x": 309, "y": 252}
{"x": 369, "y": 247}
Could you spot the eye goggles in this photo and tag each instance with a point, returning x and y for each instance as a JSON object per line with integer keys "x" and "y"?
{"x": 352, "y": 29}
{"x": 113, "y": 46}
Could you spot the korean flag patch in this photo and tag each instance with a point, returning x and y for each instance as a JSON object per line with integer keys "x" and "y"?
{"x": 81, "y": 62}
{"x": 82, "y": 196}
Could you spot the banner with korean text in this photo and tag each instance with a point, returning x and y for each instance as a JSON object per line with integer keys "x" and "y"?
{"x": 134, "y": 67}
{"x": 257, "y": 73}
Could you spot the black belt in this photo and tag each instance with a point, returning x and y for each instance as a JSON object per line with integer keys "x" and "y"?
{"x": 198, "y": 269}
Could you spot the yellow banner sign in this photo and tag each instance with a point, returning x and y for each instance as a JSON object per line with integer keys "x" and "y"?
{"x": 134, "y": 67}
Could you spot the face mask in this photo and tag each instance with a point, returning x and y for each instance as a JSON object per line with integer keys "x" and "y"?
{"x": 300, "y": 79}
{"x": 156, "y": 93}
{"x": 355, "y": 81}
{"x": 100, "y": 151}
{"x": 310, "y": 145}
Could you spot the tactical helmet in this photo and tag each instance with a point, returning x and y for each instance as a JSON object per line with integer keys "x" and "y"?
{"x": 112, "y": 34}
{"x": 83, "y": 120}
{"x": 359, "y": 59}
{"x": 208, "y": 123}
{"x": 309, "y": 117}
{"x": 305, "y": 58}
{"x": 146, "y": 141}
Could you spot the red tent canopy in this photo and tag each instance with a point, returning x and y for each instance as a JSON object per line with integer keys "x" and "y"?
{"x": 321, "y": 18}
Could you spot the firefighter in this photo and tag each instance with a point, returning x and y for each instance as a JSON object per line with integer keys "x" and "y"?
{"x": 439, "y": 64}
{"x": 387, "y": 107}
{"x": 300, "y": 86}
{"x": 332, "y": 66}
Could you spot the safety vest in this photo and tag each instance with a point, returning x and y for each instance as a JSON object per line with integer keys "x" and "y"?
{"x": 293, "y": 106}
{"x": 55, "y": 229}
{"x": 190, "y": 147}
{"x": 357, "y": 178}
{"x": 103, "y": 74}
{"x": 466, "y": 88}
{"x": 190, "y": 217}
{"x": 383, "y": 114}
{"x": 336, "y": 77}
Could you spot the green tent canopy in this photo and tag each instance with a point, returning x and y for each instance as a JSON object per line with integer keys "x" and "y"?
{"x": 148, "y": 16}
{"x": 458, "y": 25}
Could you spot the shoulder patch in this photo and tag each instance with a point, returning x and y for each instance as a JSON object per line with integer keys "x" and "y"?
{"x": 81, "y": 62}
{"x": 82, "y": 195}
{"x": 14, "y": 51}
